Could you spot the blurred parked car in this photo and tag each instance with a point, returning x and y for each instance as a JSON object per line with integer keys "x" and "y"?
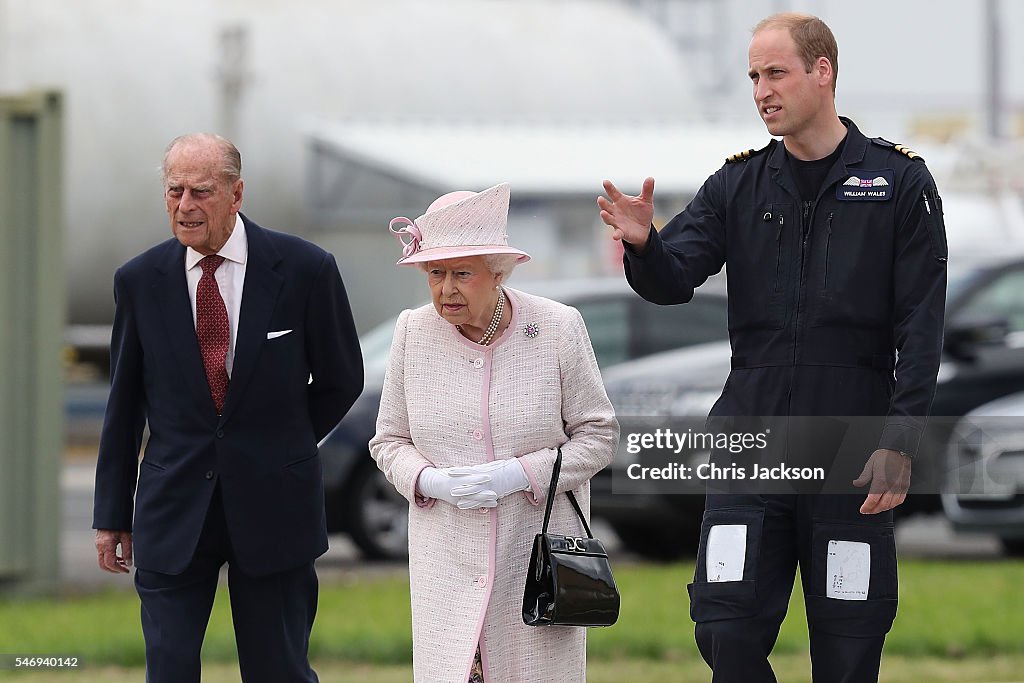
{"x": 986, "y": 458}
{"x": 983, "y": 359}
{"x": 622, "y": 327}
{"x": 673, "y": 389}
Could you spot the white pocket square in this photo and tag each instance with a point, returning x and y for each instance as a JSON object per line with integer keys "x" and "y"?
{"x": 279, "y": 333}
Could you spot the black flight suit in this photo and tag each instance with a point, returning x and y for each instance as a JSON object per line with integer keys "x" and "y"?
{"x": 822, "y": 295}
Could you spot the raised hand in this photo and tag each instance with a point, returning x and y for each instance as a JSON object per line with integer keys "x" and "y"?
{"x": 629, "y": 216}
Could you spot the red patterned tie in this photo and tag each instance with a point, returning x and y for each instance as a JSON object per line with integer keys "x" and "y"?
{"x": 212, "y": 330}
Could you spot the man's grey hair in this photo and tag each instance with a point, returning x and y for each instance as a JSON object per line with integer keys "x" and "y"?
{"x": 231, "y": 170}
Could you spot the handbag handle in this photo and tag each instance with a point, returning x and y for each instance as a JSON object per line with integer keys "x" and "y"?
{"x": 551, "y": 497}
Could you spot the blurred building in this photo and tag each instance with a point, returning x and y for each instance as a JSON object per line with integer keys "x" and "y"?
{"x": 137, "y": 74}
{"x": 349, "y": 112}
{"x": 364, "y": 174}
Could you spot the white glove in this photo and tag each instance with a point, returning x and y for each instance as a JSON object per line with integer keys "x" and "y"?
{"x": 506, "y": 476}
{"x": 465, "y": 491}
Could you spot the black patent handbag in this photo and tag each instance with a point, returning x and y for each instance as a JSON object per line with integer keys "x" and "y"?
{"x": 569, "y": 580}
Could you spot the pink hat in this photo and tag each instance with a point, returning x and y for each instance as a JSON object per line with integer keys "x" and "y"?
{"x": 458, "y": 224}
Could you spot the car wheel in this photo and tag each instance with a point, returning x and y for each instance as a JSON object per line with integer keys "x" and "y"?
{"x": 1014, "y": 547}
{"x": 378, "y": 516}
{"x": 662, "y": 544}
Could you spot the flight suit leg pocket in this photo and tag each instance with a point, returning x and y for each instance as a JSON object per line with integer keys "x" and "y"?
{"x": 853, "y": 585}
{"x": 724, "y": 584}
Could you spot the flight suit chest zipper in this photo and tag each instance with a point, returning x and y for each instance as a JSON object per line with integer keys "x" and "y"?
{"x": 805, "y": 225}
{"x": 778, "y": 255}
{"x": 805, "y": 231}
{"x": 828, "y": 241}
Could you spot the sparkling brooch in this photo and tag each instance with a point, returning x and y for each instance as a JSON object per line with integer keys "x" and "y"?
{"x": 531, "y": 330}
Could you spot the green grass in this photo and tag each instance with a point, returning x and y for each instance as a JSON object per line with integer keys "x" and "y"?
{"x": 948, "y": 611}
{"x": 960, "y": 609}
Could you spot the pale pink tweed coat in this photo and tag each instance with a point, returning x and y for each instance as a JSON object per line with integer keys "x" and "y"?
{"x": 448, "y": 401}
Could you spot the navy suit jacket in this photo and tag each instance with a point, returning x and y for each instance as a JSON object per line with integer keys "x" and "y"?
{"x": 263, "y": 449}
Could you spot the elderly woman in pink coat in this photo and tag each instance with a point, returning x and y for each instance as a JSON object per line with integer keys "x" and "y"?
{"x": 483, "y": 385}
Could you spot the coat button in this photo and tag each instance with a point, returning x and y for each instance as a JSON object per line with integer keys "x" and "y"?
{"x": 478, "y": 363}
{"x": 478, "y": 435}
{"x": 482, "y": 581}
{"x": 209, "y": 474}
{"x": 220, "y": 433}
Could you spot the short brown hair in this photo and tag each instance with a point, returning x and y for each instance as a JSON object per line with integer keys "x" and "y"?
{"x": 812, "y": 36}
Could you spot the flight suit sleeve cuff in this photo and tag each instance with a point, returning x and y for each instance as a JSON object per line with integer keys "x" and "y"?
{"x": 900, "y": 437}
{"x": 631, "y": 252}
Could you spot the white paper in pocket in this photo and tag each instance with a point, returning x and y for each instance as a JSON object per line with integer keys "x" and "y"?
{"x": 726, "y": 552}
{"x": 848, "y": 570}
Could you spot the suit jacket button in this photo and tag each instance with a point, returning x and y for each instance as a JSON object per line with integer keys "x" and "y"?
{"x": 209, "y": 474}
{"x": 220, "y": 433}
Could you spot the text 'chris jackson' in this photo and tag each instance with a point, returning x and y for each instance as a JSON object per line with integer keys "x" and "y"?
{"x": 733, "y": 472}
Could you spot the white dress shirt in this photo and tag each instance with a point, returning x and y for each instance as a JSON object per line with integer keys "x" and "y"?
{"x": 230, "y": 277}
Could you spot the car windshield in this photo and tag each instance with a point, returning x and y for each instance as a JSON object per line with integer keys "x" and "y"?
{"x": 376, "y": 345}
{"x": 958, "y": 278}
{"x": 970, "y": 267}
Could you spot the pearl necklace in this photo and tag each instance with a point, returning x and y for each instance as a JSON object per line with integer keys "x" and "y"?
{"x": 488, "y": 335}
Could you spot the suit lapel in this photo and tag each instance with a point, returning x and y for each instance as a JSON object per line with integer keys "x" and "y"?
{"x": 259, "y": 297}
{"x": 176, "y": 313}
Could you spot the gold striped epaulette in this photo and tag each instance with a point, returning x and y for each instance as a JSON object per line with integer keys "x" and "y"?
{"x": 745, "y": 154}
{"x": 902, "y": 149}
{"x": 740, "y": 156}
{"x": 906, "y": 151}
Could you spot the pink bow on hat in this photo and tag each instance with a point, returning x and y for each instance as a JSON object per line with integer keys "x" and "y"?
{"x": 409, "y": 228}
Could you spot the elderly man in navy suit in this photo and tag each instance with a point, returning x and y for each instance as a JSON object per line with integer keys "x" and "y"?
{"x": 236, "y": 345}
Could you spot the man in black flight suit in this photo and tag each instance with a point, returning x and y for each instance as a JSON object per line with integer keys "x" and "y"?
{"x": 836, "y": 264}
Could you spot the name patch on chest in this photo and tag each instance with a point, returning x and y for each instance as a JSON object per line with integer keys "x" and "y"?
{"x": 866, "y": 186}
